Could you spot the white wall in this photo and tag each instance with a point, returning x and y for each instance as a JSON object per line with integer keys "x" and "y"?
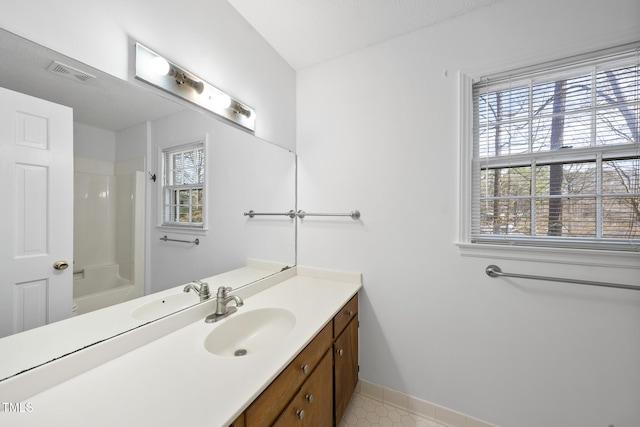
{"x": 131, "y": 145}
{"x": 243, "y": 173}
{"x": 93, "y": 143}
{"x": 377, "y": 131}
{"x": 208, "y": 38}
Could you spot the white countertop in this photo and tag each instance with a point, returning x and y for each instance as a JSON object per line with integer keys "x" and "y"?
{"x": 175, "y": 381}
{"x": 18, "y": 353}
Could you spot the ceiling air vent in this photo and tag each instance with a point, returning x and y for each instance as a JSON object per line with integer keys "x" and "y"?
{"x": 69, "y": 72}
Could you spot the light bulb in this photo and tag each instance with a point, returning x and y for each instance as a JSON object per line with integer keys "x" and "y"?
{"x": 221, "y": 101}
{"x": 197, "y": 86}
{"x": 160, "y": 66}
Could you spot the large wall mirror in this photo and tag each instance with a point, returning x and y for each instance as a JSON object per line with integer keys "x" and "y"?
{"x": 120, "y": 130}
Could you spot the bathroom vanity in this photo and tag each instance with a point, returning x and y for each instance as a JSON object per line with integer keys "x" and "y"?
{"x": 298, "y": 364}
{"x": 315, "y": 388}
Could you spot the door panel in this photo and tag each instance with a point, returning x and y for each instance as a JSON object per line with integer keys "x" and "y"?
{"x": 31, "y": 217}
{"x": 31, "y": 130}
{"x": 30, "y": 304}
{"x": 36, "y": 170}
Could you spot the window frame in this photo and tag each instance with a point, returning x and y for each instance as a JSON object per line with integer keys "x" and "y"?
{"x": 583, "y": 255}
{"x": 194, "y": 228}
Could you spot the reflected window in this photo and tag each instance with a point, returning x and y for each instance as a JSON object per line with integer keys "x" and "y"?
{"x": 184, "y": 186}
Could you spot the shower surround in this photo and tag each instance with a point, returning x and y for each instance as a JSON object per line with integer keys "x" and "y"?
{"x": 108, "y": 234}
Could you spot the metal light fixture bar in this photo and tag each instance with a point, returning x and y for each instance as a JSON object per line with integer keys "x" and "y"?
{"x": 158, "y": 71}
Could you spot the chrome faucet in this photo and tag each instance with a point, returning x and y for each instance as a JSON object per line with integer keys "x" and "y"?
{"x": 222, "y": 299}
{"x": 200, "y": 288}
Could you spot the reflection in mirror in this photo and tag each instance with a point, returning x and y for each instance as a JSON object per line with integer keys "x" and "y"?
{"x": 119, "y": 129}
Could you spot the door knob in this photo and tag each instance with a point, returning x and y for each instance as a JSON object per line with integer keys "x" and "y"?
{"x": 61, "y": 265}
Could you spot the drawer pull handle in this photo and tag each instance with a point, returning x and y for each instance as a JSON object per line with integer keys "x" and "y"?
{"x": 305, "y": 368}
{"x": 300, "y": 414}
{"x": 309, "y": 398}
{"x": 350, "y": 313}
{"x": 340, "y": 352}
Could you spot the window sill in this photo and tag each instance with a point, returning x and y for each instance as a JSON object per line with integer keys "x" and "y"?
{"x": 600, "y": 258}
{"x": 200, "y": 231}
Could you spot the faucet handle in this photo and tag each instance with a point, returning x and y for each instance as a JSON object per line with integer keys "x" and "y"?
{"x": 222, "y": 291}
{"x": 204, "y": 289}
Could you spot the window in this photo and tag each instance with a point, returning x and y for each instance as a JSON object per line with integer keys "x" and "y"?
{"x": 183, "y": 186}
{"x": 556, "y": 155}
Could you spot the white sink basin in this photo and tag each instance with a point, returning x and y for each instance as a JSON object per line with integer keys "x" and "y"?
{"x": 250, "y": 332}
{"x": 165, "y": 305}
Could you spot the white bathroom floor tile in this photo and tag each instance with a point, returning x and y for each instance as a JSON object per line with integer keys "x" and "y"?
{"x": 363, "y": 411}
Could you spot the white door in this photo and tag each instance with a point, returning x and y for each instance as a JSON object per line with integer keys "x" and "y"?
{"x": 36, "y": 214}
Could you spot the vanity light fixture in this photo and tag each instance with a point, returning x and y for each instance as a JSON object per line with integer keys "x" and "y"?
{"x": 239, "y": 110}
{"x": 163, "y": 74}
{"x": 162, "y": 68}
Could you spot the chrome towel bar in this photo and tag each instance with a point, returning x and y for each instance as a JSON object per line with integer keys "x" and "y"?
{"x": 495, "y": 271}
{"x": 251, "y": 214}
{"x": 353, "y": 214}
{"x": 301, "y": 214}
{"x": 166, "y": 239}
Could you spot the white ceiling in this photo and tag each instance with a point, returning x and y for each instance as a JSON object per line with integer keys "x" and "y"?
{"x": 308, "y": 32}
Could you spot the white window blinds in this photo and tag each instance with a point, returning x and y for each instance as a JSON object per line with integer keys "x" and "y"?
{"x": 556, "y": 155}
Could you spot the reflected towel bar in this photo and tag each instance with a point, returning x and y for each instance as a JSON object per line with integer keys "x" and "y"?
{"x": 251, "y": 214}
{"x": 301, "y": 214}
{"x": 353, "y": 214}
{"x": 166, "y": 239}
{"x": 495, "y": 271}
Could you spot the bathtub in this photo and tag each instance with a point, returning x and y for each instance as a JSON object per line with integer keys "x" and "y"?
{"x": 101, "y": 286}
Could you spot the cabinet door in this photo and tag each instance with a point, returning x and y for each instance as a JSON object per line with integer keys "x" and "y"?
{"x": 345, "y": 368}
{"x": 313, "y": 405}
{"x": 266, "y": 408}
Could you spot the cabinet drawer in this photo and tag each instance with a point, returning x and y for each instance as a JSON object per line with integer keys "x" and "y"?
{"x": 266, "y": 408}
{"x": 313, "y": 405}
{"x": 345, "y": 314}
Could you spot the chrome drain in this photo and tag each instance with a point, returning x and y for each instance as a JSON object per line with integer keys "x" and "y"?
{"x": 240, "y": 352}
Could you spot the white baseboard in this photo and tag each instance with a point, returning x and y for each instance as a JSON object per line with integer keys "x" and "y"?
{"x": 423, "y": 408}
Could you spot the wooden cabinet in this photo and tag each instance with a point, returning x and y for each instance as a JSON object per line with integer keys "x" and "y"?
{"x": 344, "y": 316}
{"x": 268, "y": 406}
{"x": 313, "y": 404}
{"x": 345, "y": 353}
{"x": 315, "y": 389}
{"x": 239, "y": 422}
